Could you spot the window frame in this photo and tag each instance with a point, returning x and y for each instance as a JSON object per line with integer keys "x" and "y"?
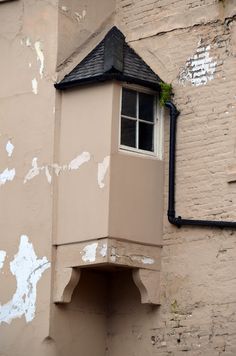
{"x": 157, "y": 124}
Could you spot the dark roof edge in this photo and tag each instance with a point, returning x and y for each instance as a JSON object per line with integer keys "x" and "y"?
{"x": 105, "y": 77}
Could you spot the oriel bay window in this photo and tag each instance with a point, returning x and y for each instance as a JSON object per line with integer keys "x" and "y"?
{"x": 138, "y": 121}
{"x": 117, "y": 195}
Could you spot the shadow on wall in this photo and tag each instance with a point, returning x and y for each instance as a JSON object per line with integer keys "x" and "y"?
{"x": 104, "y": 318}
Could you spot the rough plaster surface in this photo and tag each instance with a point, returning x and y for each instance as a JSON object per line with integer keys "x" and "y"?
{"x": 28, "y": 270}
{"x": 197, "y": 315}
{"x": 198, "y": 311}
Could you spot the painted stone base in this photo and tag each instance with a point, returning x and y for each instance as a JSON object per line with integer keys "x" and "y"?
{"x": 144, "y": 260}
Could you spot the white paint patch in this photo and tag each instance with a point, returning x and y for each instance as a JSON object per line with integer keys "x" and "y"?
{"x": 78, "y": 161}
{"x": 9, "y": 148}
{"x": 28, "y": 42}
{"x": 64, "y": 8}
{"x": 102, "y": 170}
{"x": 199, "y": 68}
{"x": 103, "y": 250}
{"x": 147, "y": 261}
{"x": 48, "y": 175}
{"x": 2, "y": 258}
{"x": 58, "y": 169}
{"x": 34, "y": 171}
{"x": 81, "y": 16}
{"x": 40, "y": 57}
{"x": 90, "y": 252}
{"x": 143, "y": 259}
{"x": 7, "y": 175}
{"x": 34, "y": 86}
{"x": 28, "y": 270}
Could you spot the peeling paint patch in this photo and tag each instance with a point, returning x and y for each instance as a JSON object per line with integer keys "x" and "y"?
{"x": 7, "y": 175}
{"x": 90, "y": 252}
{"x": 48, "y": 175}
{"x": 199, "y": 68}
{"x": 2, "y": 258}
{"x": 28, "y": 270}
{"x": 75, "y": 164}
{"x": 40, "y": 57}
{"x": 64, "y": 8}
{"x": 9, "y": 148}
{"x": 57, "y": 168}
{"x": 78, "y": 161}
{"x": 28, "y": 42}
{"x": 81, "y": 16}
{"x": 143, "y": 259}
{"x": 103, "y": 250}
{"x": 102, "y": 170}
{"x": 34, "y": 86}
{"x": 147, "y": 261}
{"x": 34, "y": 171}
{"x": 113, "y": 254}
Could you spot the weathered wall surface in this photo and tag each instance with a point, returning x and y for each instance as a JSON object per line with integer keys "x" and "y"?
{"x": 192, "y": 45}
{"x": 27, "y": 98}
{"x": 79, "y": 21}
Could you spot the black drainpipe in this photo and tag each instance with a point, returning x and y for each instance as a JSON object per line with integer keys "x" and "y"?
{"x": 173, "y": 219}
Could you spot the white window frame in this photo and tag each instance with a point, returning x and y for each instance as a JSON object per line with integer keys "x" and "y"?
{"x": 157, "y": 127}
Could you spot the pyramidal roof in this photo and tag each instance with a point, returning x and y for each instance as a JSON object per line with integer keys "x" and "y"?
{"x": 111, "y": 59}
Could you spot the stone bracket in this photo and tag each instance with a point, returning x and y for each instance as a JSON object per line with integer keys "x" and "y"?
{"x": 148, "y": 283}
{"x": 144, "y": 260}
{"x": 66, "y": 279}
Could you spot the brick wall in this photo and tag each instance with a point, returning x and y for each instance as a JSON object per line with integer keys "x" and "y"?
{"x": 191, "y": 44}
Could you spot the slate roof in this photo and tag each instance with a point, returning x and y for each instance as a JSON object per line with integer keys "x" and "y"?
{"x": 111, "y": 59}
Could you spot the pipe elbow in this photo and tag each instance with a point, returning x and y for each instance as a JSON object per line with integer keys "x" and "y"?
{"x": 172, "y": 108}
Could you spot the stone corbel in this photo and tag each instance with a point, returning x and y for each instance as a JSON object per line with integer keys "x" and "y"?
{"x": 143, "y": 259}
{"x": 148, "y": 283}
{"x": 66, "y": 280}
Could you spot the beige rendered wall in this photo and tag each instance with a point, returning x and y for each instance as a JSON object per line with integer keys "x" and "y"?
{"x": 84, "y": 150}
{"x": 192, "y": 45}
{"x": 28, "y": 37}
{"x": 102, "y": 190}
{"x": 79, "y": 21}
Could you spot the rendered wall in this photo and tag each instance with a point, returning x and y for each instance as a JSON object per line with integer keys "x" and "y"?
{"x": 28, "y": 37}
{"x": 84, "y": 146}
{"x": 192, "y": 45}
{"x": 103, "y": 191}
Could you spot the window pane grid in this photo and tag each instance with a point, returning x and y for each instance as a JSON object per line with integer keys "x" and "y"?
{"x": 141, "y": 134}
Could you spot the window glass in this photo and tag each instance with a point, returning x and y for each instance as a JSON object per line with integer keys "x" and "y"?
{"x": 128, "y": 132}
{"x": 129, "y": 103}
{"x": 145, "y": 136}
{"x": 138, "y": 121}
{"x": 146, "y": 107}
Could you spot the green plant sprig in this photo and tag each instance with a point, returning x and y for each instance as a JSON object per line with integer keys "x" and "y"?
{"x": 166, "y": 91}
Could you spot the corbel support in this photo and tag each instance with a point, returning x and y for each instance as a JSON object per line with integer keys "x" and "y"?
{"x": 148, "y": 283}
{"x": 143, "y": 259}
{"x": 66, "y": 279}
